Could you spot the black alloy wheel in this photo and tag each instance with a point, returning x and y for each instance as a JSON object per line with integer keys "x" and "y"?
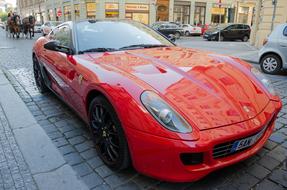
{"x": 108, "y": 134}
{"x": 40, "y": 83}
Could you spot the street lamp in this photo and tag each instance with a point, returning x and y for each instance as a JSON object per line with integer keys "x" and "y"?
{"x": 274, "y": 3}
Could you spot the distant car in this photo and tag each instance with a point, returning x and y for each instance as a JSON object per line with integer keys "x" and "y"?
{"x": 48, "y": 26}
{"x": 168, "y": 28}
{"x": 37, "y": 28}
{"x": 228, "y": 32}
{"x": 191, "y": 30}
{"x": 273, "y": 54}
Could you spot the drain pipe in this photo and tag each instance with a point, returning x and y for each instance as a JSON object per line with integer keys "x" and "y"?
{"x": 274, "y": 3}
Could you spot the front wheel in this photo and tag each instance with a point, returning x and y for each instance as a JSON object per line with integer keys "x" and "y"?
{"x": 187, "y": 33}
{"x": 108, "y": 134}
{"x": 40, "y": 83}
{"x": 271, "y": 64}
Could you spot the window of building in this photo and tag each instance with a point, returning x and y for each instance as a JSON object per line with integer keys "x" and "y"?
{"x": 181, "y": 14}
{"x": 199, "y": 13}
{"x": 112, "y": 10}
{"x": 138, "y": 12}
{"x": 218, "y": 15}
{"x": 162, "y": 11}
{"x": 243, "y": 15}
{"x": 77, "y": 11}
{"x": 67, "y": 13}
{"x": 91, "y": 10}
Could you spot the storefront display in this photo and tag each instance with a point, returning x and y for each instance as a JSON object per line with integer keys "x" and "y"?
{"x": 162, "y": 10}
{"x": 77, "y": 11}
{"x": 112, "y": 10}
{"x": 67, "y": 13}
{"x": 181, "y": 12}
{"x": 199, "y": 13}
{"x": 138, "y": 12}
{"x": 91, "y": 10}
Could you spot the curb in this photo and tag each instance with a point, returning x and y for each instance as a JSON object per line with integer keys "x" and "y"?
{"x": 250, "y": 61}
{"x": 48, "y": 167}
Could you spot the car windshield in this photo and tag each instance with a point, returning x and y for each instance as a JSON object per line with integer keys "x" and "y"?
{"x": 117, "y": 35}
{"x": 221, "y": 26}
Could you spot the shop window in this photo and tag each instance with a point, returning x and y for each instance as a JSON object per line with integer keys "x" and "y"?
{"x": 162, "y": 11}
{"x": 138, "y": 12}
{"x": 67, "y": 13}
{"x": 91, "y": 10}
{"x": 218, "y": 15}
{"x": 199, "y": 13}
{"x": 181, "y": 14}
{"x": 112, "y": 10}
{"x": 77, "y": 11}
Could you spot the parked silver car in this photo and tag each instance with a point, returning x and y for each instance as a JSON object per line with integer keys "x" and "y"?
{"x": 273, "y": 55}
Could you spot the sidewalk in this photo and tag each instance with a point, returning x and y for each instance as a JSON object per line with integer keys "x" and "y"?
{"x": 28, "y": 158}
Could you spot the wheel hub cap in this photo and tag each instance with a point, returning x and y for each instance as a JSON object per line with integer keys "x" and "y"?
{"x": 270, "y": 64}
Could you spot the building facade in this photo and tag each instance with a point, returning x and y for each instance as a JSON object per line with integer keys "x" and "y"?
{"x": 146, "y": 11}
{"x": 268, "y": 14}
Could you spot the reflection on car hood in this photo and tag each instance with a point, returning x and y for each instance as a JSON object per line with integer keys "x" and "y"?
{"x": 212, "y": 30}
{"x": 209, "y": 90}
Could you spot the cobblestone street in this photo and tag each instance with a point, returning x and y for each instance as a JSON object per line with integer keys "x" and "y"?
{"x": 266, "y": 170}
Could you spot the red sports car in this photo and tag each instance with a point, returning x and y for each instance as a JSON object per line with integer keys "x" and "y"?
{"x": 174, "y": 113}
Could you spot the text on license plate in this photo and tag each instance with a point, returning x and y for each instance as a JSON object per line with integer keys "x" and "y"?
{"x": 249, "y": 141}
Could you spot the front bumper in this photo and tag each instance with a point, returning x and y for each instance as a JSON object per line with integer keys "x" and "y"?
{"x": 159, "y": 157}
{"x": 209, "y": 36}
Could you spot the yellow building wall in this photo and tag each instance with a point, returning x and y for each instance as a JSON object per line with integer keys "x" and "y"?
{"x": 263, "y": 20}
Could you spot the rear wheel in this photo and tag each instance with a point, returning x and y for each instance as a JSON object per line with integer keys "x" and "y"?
{"x": 108, "y": 134}
{"x": 271, "y": 64}
{"x": 177, "y": 35}
{"x": 40, "y": 83}
{"x": 187, "y": 33}
{"x": 245, "y": 39}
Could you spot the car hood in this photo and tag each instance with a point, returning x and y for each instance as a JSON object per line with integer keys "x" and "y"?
{"x": 207, "y": 89}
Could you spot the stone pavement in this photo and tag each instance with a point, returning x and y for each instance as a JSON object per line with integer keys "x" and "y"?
{"x": 265, "y": 170}
{"x": 28, "y": 158}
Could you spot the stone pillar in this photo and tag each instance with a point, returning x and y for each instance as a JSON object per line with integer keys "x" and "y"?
{"x": 83, "y": 9}
{"x": 170, "y": 13}
{"x": 152, "y": 12}
{"x": 122, "y": 9}
{"x": 208, "y": 13}
{"x": 192, "y": 11}
{"x": 100, "y": 9}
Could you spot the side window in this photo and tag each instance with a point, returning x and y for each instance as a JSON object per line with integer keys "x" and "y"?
{"x": 63, "y": 35}
{"x": 285, "y": 31}
{"x": 232, "y": 27}
{"x": 240, "y": 27}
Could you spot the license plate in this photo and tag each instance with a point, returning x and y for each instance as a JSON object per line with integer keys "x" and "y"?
{"x": 249, "y": 141}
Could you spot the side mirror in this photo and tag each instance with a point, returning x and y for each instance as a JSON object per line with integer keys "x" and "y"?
{"x": 171, "y": 37}
{"x": 56, "y": 46}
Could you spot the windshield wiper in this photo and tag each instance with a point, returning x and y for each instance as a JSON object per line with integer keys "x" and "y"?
{"x": 138, "y": 46}
{"x": 97, "y": 50}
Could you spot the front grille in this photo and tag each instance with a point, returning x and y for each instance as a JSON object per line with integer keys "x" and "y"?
{"x": 224, "y": 149}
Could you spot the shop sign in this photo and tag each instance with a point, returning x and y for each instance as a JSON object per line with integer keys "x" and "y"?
{"x": 91, "y": 7}
{"x": 112, "y": 6}
{"x": 137, "y": 7}
{"x": 218, "y": 11}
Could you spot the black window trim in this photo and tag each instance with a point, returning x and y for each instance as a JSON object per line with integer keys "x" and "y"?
{"x": 285, "y": 31}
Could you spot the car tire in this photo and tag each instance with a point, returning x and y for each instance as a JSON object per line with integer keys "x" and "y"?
{"x": 245, "y": 38}
{"x": 40, "y": 83}
{"x": 177, "y": 35}
{"x": 187, "y": 33}
{"x": 108, "y": 134}
{"x": 271, "y": 64}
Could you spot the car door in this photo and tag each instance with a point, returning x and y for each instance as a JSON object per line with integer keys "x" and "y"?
{"x": 283, "y": 43}
{"x": 58, "y": 65}
{"x": 230, "y": 32}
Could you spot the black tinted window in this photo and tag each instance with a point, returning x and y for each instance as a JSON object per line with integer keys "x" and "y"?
{"x": 232, "y": 27}
{"x": 114, "y": 34}
{"x": 285, "y": 31}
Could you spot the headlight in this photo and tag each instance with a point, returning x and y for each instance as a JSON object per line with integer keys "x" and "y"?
{"x": 163, "y": 113}
{"x": 265, "y": 81}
